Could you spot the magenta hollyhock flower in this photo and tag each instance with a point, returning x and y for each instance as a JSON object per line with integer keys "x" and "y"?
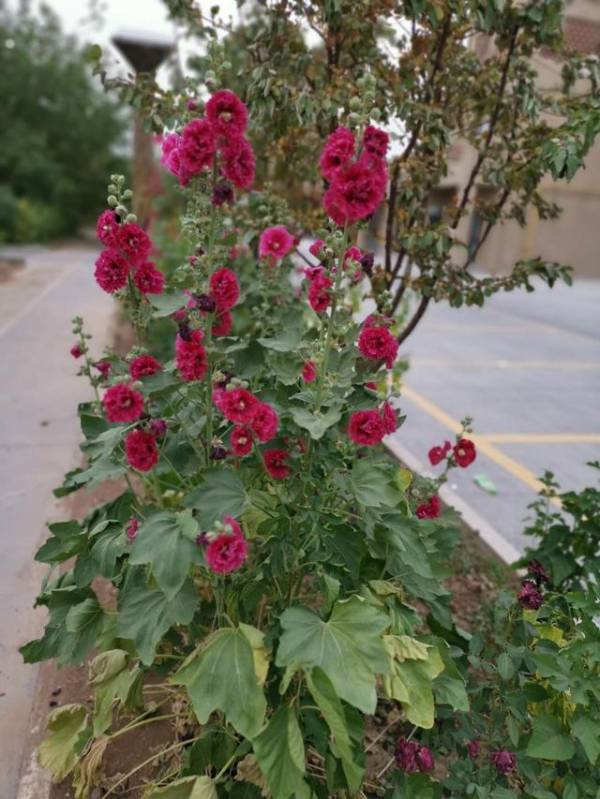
{"x": 352, "y": 254}
{"x": 170, "y": 154}
{"x": 222, "y": 194}
{"x": 144, "y": 366}
{"x": 406, "y": 755}
{"x": 425, "y": 759}
{"x": 376, "y": 141}
{"x": 366, "y": 428}
{"x": 473, "y": 749}
{"x": 265, "y": 422}
{"x": 196, "y": 149}
{"x": 389, "y": 418}
{"x": 504, "y": 761}
{"x": 107, "y": 228}
{"x": 275, "y": 463}
{"x": 238, "y": 405}
{"x": 76, "y": 351}
{"x": 122, "y": 403}
{"x": 430, "y": 509}
{"x": 158, "y": 428}
{"x": 538, "y": 572}
{"x": 148, "y": 279}
{"x": 223, "y": 324}
{"x": 104, "y": 367}
{"x": 190, "y": 356}
{"x": 378, "y": 344}
{"x": 438, "y": 454}
{"x": 226, "y": 552}
{"x": 132, "y": 527}
{"x": 224, "y": 288}
{"x": 134, "y": 242}
{"x": 141, "y": 450}
{"x": 238, "y": 163}
{"x": 337, "y": 152}
{"x": 241, "y": 441}
{"x": 111, "y": 271}
{"x": 316, "y": 247}
{"x": 275, "y": 242}
{"x": 319, "y": 296}
{"x": 355, "y": 193}
{"x": 464, "y": 452}
{"x": 309, "y": 372}
{"x": 227, "y": 114}
{"x": 530, "y": 597}
{"x": 313, "y": 272}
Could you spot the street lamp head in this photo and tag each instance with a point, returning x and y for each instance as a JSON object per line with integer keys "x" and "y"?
{"x": 145, "y": 51}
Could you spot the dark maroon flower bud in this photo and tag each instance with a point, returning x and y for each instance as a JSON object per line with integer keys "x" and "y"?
{"x": 202, "y": 539}
{"x": 218, "y": 453}
{"x": 529, "y": 596}
{"x": 76, "y": 351}
{"x": 226, "y": 379}
{"x": 192, "y": 105}
{"x": 185, "y": 331}
{"x": 538, "y": 572}
{"x": 367, "y": 261}
{"x": 158, "y": 427}
{"x": 222, "y": 193}
{"x": 406, "y": 755}
{"x": 205, "y": 302}
{"x": 104, "y": 368}
{"x": 199, "y": 250}
{"x": 473, "y": 749}
{"x": 425, "y": 759}
{"x": 504, "y": 761}
{"x": 192, "y": 260}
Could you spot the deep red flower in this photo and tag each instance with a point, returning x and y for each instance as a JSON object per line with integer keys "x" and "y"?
{"x": 319, "y": 296}
{"x": 311, "y": 273}
{"x": 355, "y": 193}
{"x": 222, "y": 194}
{"x": 226, "y": 552}
{"x": 158, "y": 428}
{"x": 170, "y": 153}
{"x": 316, "y": 247}
{"x": 196, "y": 148}
{"x": 238, "y": 163}
{"x": 366, "y": 428}
{"x": 141, "y": 450}
{"x": 237, "y": 405}
{"x": 473, "y": 749}
{"x": 538, "y": 572}
{"x": 122, "y": 403}
{"x": 376, "y": 141}
{"x": 390, "y": 420}
{"x": 438, "y": 454}
{"x": 309, "y": 372}
{"x": 134, "y": 242}
{"x": 265, "y": 422}
{"x": 190, "y": 356}
{"x": 225, "y": 289}
{"x": 425, "y": 759}
{"x": 464, "y": 452}
{"x": 76, "y": 351}
{"x": 406, "y": 755}
{"x": 530, "y": 597}
{"x": 227, "y": 114}
{"x": 132, "y": 528}
{"x": 275, "y": 242}
{"x": 378, "y": 344}
{"x": 149, "y": 279}
{"x": 144, "y": 366}
{"x": 504, "y": 761}
{"x": 241, "y": 441}
{"x": 352, "y": 254}
{"x": 275, "y": 463}
{"x": 104, "y": 367}
{"x": 107, "y": 228}
{"x": 430, "y": 509}
{"x": 111, "y": 271}
{"x": 223, "y": 324}
{"x": 337, "y": 152}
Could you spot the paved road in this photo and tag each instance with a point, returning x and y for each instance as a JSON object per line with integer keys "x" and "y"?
{"x": 38, "y": 441}
{"x": 527, "y": 368}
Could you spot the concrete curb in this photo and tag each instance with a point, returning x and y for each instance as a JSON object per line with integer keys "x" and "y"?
{"x": 35, "y": 781}
{"x": 505, "y": 551}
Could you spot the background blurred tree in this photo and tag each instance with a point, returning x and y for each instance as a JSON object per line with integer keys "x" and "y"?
{"x": 59, "y": 134}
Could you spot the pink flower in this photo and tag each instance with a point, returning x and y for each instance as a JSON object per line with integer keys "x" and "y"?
{"x": 530, "y": 597}
{"x": 313, "y": 272}
{"x": 337, "y": 152}
{"x": 223, "y": 324}
{"x": 316, "y": 247}
{"x": 504, "y": 761}
{"x": 144, "y": 366}
{"x": 111, "y": 271}
{"x": 196, "y": 149}
{"x": 122, "y": 403}
{"x": 319, "y": 296}
{"x": 366, "y": 428}
{"x": 224, "y": 287}
{"x": 275, "y": 463}
{"x": 473, "y": 749}
{"x": 309, "y": 372}
{"x": 76, "y": 351}
{"x": 134, "y": 242}
{"x": 241, "y": 440}
{"x": 141, "y": 450}
{"x": 149, "y": 279}
{"x": 227, "y": 114}
{"x": 107, "y": 228}
{"x": 464, "y": 452}
{"x": 389, "y": 418}
{"x": 430, "y": 509}
{"x": 425, "y": 759}
{"x": 352, "y": 253}
{"x": 226, "y": 552}
{"x": 238, "y": 405}
{"x": 190, "y": 357}
{"x": 170, "y": 153}
{"x": 265, "y": 422}
{"x": 376, "y": 141}
{"x": 275, "y": 242}
{"x": 239, "y": 164}
{"x": 132, "y": 527}
{"x": 158, "y": 428}
{"x": 355, "y": 193}
{"x": 438, "y": 454}
{"x": 104, "y": 367}
{"x": 378, "y": 344}
{"x": 406, "y": 755}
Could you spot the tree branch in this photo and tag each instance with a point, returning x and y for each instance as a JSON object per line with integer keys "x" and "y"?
{"x": 416, "y": 318}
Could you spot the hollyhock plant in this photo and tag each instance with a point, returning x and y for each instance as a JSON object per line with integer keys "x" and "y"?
{"x": 227, "y": 551}
{"x": 319, "y": 293}
{"x": 122, "y": 403}
{"x": 425, "y": 760}
{"x": 141, "y": 450}
{"x": 148, "y": 279}
{"x": 111, "y": 271}
{"x": 474, "y": 749}
{"x": 337, "y": 152}
{"x": 241, "y": 441}
{"x": 225, "y": 289}
{"x": 227, "y": 114}
{"x": 464, "y": 452}
{"x": 504, "y": 761}
{"x": 316, "y": 247}
{"x": 132, "y": 528}
{"x": 223, "y": 324}
{"x": 430, "y": 509}
{"x": 309, "y": 372}
{"x": 438, "y": 454}
{"x": 275, "y": 461}
{"x": 355, "y": 193}
{"x": 197, "y": 148}
{"x": 190, "y": 356}
{"x": 158, "y": 428}
{"x": 530, "y": 597}
{"x": 366, "y": 428}
{"x": 237, "y": 405}
{"x": 265, "y": 422}
{"x": 133, "y": 242}
{"x": 406, "y": 755}
{"x": 538, "y": 572}
{"x": 378, "y": 344}
{"x": 275, "y": 242}
{"x": 76, "y": 351}
{"x": 144, "y": 366}
{"x": 107, "y": 229}
{"x": 238, "y": 163}
{"x": 376, "y": 141}
{"x": 222, "y": 194}
{"x": 389, "y": 418}
{"x": 104, "y": 367}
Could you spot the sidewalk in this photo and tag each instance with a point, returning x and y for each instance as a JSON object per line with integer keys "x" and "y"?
{"x": 38, "y": 440}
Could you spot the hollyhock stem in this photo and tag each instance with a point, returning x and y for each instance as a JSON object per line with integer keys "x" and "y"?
{"x": 211, "y": 246}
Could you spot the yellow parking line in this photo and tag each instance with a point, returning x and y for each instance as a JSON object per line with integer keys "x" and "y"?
{"x": 541, "y": 438}
{"x": 509, "y": 464}
{"x": 444, "y": 363}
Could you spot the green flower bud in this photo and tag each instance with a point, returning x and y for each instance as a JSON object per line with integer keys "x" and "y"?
{"x": 355, "y": 103}
{"x": 376, "y": 114}
{"x": 112, "y": 201}
{"x": 226, "y": 65}
{"x": 131, "y": 218}
{"x": 127, "y": 194}
{"x": 121, "y": 210}
{"x": 112, "y": 188}
{"x": 354, "y": 119}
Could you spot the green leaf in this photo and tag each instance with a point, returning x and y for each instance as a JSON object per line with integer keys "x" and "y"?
{"x": 316, "y": 424}
{"x": 85, "y": 621}
{"x": 279, "y": 749}
{"x": 145, "y": 613}
{"x": 371, "y": 487}
{"x": 449, "y": 686}
{"x": 348, "y": 647}
{"x": 112, "y": 682}
{"x": 222, "y": 493}
{"x": 549, "y": 741}
{"x": 286, "y": 341}
{"x": 332, "y": 710}
{"x": 185, "y": 788}
{"x": 59, "y": 751}
{"x": 166, "y": 541}
{"x": 410, "y": 679}
{"x": 167, "y": 303}
{"x": 220, "y": 675}
{"x": 587, "y": 730}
